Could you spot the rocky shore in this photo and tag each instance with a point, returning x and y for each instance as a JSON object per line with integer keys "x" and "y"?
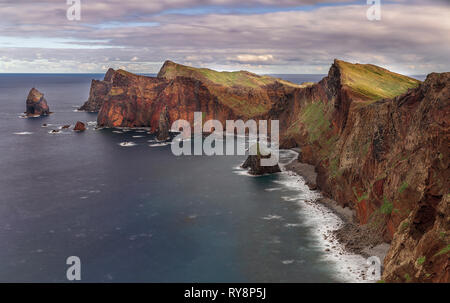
{"x": 355, "y": 238}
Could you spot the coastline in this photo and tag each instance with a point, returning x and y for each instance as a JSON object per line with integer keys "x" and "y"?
{"x": 352, "y": 237}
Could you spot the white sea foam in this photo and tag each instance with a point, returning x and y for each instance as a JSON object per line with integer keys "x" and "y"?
{"x": 117, "y": 132}
{"x": 290, "y": 198}
{"x": 321, "y": 220}
{"x": 57, "y": 132}
{"x": 287, "y": 262}
{"x": 92, "y": 123}
{"x": 244, "y": 172}
{"x": 159, "y": 144}
{"x": 127, "y": 144}
{"x": 138, "y": 136}
{"x": 23, "y": 133}
{"x": 273, "y": 189}
{"x": 272, "y": 217}
{"x": 348, "y": 267}
{"x": 292, "y": 224}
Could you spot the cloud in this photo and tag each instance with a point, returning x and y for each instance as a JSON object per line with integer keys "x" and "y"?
{"x": 255, "y": 59}
{"x": 139, "y": 36}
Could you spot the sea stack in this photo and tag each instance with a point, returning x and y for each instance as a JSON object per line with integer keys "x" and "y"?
{"x": 164, "y": 125}
{"x": 253, "y": 162}
{"x": 36, "y": 104}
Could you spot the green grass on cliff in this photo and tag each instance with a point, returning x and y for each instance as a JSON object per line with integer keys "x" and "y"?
{"x": 421, "y": 260}
{"x": 230, "y": 87}
{"x": 374, "y": 82}
{"x": 171, "y": 70}
{"x": 443, "y": 251}
{"x": 387, "y": 207}
{"x": 315, "y": 120}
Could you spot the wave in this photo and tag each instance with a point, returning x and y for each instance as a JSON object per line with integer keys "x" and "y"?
{"x": 272, "y": 217}
{"x": 127, "y": 144}
{"x": 159, "y": 144}
{"x": 322, "y": 221}
{"x": 273, "y": 189}
{"x": 292, "y": 225}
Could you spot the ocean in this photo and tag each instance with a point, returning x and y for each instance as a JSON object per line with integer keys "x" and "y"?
{"x": 140, "y": 214}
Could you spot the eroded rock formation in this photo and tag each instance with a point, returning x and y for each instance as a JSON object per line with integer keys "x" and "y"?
{"x": 36, "y": 104}
{"x": 253, "y": 162}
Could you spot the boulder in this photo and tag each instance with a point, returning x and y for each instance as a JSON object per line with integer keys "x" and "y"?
{"x": 79, "y": 127}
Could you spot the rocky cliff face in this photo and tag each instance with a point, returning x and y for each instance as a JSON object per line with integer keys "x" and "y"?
{"x": 98, "y": 93}
{"x": 379, "y": 142}
{"x": 387, "y": 158}
{"x": 36, "y": 104}
{"x": 136, "y": 101}
{"x": 164, "y": 125}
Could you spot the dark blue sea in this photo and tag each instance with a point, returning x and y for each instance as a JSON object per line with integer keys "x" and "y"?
{"x": 140, "y": 214}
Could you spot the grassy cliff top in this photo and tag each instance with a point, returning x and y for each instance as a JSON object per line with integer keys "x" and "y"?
{"x": 171, "y": 70}
{"x": 374, "y": 82}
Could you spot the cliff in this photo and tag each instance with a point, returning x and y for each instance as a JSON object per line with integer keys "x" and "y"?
{"x": 379, "y": 142}
{"x": 36, "y": 105}
{"x": 98, "y": 93}
{"x": 130, "y": 100}
{"x": 164, "y": 126}
{"x": 384, "y": 154}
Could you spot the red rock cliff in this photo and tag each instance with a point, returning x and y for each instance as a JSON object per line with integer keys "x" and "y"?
{"x": 386, "y": 158}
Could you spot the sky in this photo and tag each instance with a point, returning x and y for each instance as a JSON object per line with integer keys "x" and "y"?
{"x": 263, "y": 36}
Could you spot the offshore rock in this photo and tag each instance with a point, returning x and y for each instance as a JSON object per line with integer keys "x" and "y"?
{"x": 36, "y": 104}
{"x": 253, "y": 162}
{"x": 79, "y": 127}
